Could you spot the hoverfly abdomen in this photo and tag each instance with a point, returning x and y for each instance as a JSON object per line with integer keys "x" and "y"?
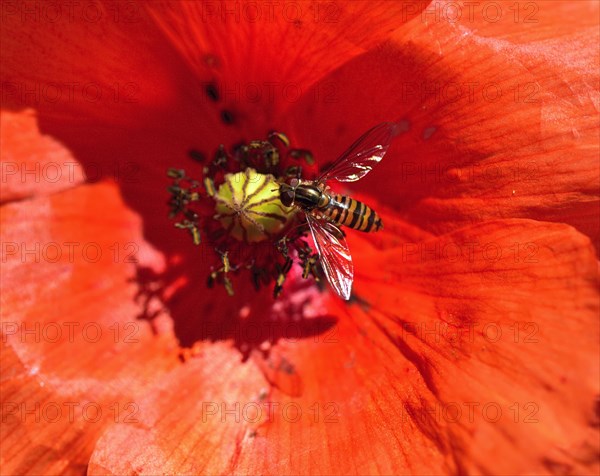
{"x": 349, "y": 212}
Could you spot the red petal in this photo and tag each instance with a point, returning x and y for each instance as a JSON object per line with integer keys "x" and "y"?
{"x": 372, "y": 377}
{"x": 96, "y": 60}
{"x": 75, "y": 356}
{"x": 32, "y": 163}
{"x": 523, "y": 23}
{"x": 261, "y": 57}
{"x": 530, "y": 153}
{"x": 176, "y": 434}
{"x": 503, "y": 315}
{"x": 369, "y": 382}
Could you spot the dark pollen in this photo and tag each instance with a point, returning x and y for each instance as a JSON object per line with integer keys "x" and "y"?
{"x": 227, "y": 117}
{"x": 197, "y": 155}
{"x": 212, "y": 92}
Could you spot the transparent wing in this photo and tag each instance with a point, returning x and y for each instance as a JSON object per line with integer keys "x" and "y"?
{"x": 362, "y": 156}
{"x": 334, "y": 255}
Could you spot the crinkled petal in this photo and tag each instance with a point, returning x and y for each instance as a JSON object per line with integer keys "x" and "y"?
{"x": 500, "y": 323}
{"x": 521, "y": 23}
{"x": 32, "y": 163}
{"x": 75, "y": 356}
{"x": 470, "y": 358}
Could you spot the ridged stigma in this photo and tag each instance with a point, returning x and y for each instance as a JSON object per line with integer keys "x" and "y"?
{"x": 249, "y": 208}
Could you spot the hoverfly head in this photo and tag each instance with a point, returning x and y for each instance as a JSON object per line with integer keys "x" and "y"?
{"x": 287, "y": 192}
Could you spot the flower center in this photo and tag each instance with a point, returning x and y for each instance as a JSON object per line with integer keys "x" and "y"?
{"x": 236, "y": 209}
{"x": 249, "y": 208}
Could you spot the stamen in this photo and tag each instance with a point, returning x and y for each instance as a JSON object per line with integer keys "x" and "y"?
{"x": 236, "y": 208}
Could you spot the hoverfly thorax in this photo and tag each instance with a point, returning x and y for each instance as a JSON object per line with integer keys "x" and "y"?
{"x": 305, "y": 195}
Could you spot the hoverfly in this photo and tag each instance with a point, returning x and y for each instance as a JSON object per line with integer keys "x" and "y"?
{"x": 326, "y": 211}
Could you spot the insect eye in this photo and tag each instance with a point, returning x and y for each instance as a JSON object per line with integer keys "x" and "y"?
{"x": 287, "y": 197}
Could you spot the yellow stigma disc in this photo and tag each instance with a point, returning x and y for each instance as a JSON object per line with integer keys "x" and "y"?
{"x": 249, "y": 208}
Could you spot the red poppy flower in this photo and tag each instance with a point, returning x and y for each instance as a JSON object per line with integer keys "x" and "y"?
{"x": 471, "y": 341}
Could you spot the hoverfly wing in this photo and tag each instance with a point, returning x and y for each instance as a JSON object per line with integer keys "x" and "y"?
{"x": 334, "y": 255}
{"x": 361, "y": 157}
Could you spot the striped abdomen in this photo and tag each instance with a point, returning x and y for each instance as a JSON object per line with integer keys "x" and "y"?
{"x": 346, "y": 211}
